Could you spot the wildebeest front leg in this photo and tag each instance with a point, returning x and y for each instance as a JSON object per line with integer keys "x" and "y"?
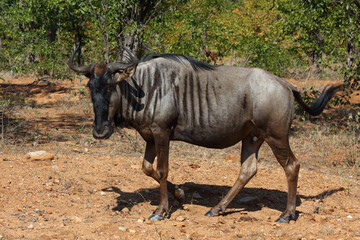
{"x": 161, "y": 139}
{"x": 162, "y": 152}
{"x": 148, "y": 169}
{"x": 249, "y": 154}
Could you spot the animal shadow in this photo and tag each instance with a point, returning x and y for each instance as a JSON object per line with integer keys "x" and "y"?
{"x": 209, "y": 195}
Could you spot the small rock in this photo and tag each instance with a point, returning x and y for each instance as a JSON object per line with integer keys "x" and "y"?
{"x": 279, "y": 233}
{"x": 349, "y": 217}
{"x": 232, "y": 158}
{"x": 327, "y": 230}
{"x": 102, "y": 193}
{"x": 195, "y": 166}
{"x": 180, "y": 218}
{"x": 39, "y": 155}
{"x": 183, "y": 230}
{"x": 39, "y": 211}
{"x": 123, "y": 229}
{"x": 76, "y": 219}
{"x": 135, "y": 166}
{"x": 328, "y": 210}
{"x": 31, "y": 226}
{"x": 44, "y": 237}
{"x": 276, "y": 224}
{"x": 318, "y": 218}
{"x": 125, "y": 211}
{"x": 225, "y": 230}
{"x": 179, "y": 224}
{"x": 132, "y": 231}
{"x": 311, "y": 236}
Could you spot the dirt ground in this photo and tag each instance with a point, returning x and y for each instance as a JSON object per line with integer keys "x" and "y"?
{"x": 96, "y": 190}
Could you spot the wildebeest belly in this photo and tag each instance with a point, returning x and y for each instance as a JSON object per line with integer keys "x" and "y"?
{"x": 218, "y": 133}
{"x": 209, "y": 139}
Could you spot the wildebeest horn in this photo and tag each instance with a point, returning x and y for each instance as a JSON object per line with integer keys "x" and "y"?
{"x": 79, "y": 69}
{"x": 114, "y": 67}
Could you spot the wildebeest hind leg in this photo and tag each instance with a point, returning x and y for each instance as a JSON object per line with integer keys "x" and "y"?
{"x": 291, "y": 166}
{"x": 249, "y": 155}
{"x": 147, "y": 167}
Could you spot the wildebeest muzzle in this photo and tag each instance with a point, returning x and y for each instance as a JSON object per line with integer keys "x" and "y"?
{"x": 103, "y": 130}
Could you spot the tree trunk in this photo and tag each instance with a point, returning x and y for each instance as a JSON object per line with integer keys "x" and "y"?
{"x": 315, "y": 53}
{"x": 132, "y": 42}
{"x": 106, "y": 43}
{"x": 349, "y": 61}
{"x": 352, "y": 53}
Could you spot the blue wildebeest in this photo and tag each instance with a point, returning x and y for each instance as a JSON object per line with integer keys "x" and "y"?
{"x": 173, "y": 97}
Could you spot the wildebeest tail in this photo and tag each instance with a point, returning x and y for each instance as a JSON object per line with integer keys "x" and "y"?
{"x": 319, "y": 103}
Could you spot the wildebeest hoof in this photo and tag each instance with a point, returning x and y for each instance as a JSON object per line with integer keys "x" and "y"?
{"x": 211, "y": 214}
{"x": 281, "y": 220}
{"x": 223, "y": 210}
{"x": 155, "y": 217}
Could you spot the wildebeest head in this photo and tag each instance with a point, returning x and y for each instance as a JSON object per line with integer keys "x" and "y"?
{"x": 104, "y": 90}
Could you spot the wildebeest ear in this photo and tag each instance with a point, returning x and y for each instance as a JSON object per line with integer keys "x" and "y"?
{"x": 127, "y": 73}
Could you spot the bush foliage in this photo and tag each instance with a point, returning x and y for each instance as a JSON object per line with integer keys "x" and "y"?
{"x": 282, "y": 36}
